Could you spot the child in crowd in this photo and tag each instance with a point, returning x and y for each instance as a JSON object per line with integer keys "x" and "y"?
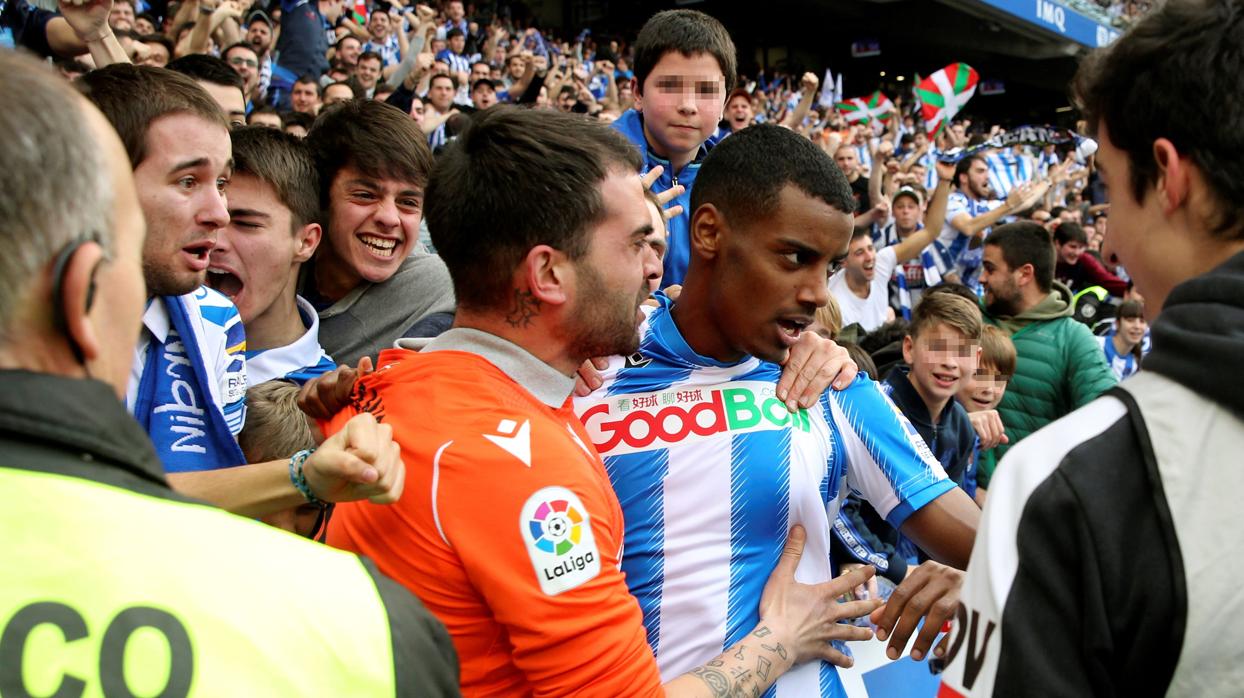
{"x": 827, "y": 321}
{"x": 982, "y": 392}
{"x": 941, "y": 350}
{"x": 1125, "y": 344}
{"x": 685, "y": 65}
{"x": 275, "y": 429}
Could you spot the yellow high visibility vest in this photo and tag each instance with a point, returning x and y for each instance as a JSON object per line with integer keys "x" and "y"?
{"x": 110, "y": 592}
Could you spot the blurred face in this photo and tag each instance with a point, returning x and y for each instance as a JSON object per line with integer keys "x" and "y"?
{"x": 770, "y": 276}
{"x": 349, "y": 51}
{"x": 246, "y": 64}
{"x": 739, "y": 113}
{"x": 367, "y": 72}
{"x": 305, "y": 98}
{"x": 480, "y": 71}
{"x": 417, "y": 110}
{"x": 977, "y": 179}
{"x": 1001, "y": 284}
{"x": 121, "y": 17}
{"x": 336, "y": 94}
{"x": 907, "y": 213}
{"x": 1041, "y": 216}
{"x": 612, "y": 281}
{"x": 143, "y": 26}
{"x": 920, "y": 172}
{"x": 921, "y": 139}
{"x": 681, "y": 103}
{"x": 118, "y": 310}
{"x": 181, "y": 187}
{"x": 941, "y": 360}
{"x": 157, "y": 55}
{"x": 455, "y": 11}
{"x": 659, "y": 244}
{"x": 266, "y": 120}
{"x": 983, "y": 391}
{"x": 257, "y": 256}
{"x": 230, "y": 99}
{"x": 457, "y": 44}
{"x": 259, "y": 36}
{"x": 542, "y": 98}
{"x": 566, "y": 101}
{"x": 1132, "y": 329}
{"x": 861, "y": 259}
{"x": 372, "y": 223}
{"x": 847, "y": 159}
{"x": 441, "y": 94}
{"x": 483, "y": 96}
{"x": 1070, "y": 252}
{"x": 378, "y": 25}
{"x": 516, "y": 66}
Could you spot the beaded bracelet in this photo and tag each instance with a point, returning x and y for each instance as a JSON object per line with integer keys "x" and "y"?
{"x": 299, "y": 478}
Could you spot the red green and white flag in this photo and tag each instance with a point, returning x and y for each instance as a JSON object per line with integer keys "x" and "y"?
{"x": 943, "y": 94}
{"x": 360, "y": 11}
{"x": 862, "y": 110}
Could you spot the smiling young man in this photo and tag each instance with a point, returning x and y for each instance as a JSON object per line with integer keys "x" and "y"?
{"x": 273, "y": 228}
{"x": 1108, "y": 561}
{"x": 371, "y": 280}
{"x": 684, "y": 66}
{"x": 710, "y": 467}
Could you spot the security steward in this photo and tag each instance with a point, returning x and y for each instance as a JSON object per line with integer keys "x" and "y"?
{"x": 110, "y": 583}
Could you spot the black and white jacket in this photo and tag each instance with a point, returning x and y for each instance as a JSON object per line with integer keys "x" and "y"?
{"x": 1110, "y": 558}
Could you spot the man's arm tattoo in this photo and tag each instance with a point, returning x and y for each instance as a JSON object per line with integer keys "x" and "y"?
{"x": 716, "y": 681}
{"x": 526, "y": 306}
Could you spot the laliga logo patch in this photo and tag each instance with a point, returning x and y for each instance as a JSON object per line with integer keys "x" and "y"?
{"x": 558, "y": 533}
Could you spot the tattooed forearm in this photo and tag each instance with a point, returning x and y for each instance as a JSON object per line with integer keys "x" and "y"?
{"x": 747, "y": 669}
{"x": 525, "y": 307}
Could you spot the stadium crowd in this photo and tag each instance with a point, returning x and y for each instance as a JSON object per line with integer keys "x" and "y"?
{"x": 396, "y": 349}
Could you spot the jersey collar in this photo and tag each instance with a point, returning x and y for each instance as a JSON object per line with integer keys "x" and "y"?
{"x": 540, "y": 379}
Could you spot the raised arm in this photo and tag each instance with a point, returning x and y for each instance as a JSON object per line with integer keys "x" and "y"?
{"x": 88, "y": 22}
{"x": 911, "y": 247}
{"x": 808, "y": 86}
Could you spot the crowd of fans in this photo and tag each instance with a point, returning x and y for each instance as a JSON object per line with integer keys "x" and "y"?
{"x": 402, "y": 277}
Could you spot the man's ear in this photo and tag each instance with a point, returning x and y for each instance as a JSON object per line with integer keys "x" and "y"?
{"x": 547, "y": 276}
{"x": 1173, "y": 175}
{"x": 708, "y": 230}
{"x": 306, "y": 241}
{"x": 76, "y": 296}
{"x": 1027, "y": 274}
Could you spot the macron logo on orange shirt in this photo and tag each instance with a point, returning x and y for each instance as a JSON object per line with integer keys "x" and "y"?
{"x": 514, "y": 439}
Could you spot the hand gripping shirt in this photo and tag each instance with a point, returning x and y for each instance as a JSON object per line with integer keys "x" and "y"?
{"x": 712, "y": 471}
{"x": 507, "y": 528}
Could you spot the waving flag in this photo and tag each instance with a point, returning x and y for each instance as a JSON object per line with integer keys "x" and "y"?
{"x": 359, "y": 13}
{"x": 944, "y": 93}
{"x": 863, "y": 110}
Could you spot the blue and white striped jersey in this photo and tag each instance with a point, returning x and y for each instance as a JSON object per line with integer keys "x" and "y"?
{"x": 300, "y": 361}
{"x": 953, "y": 245}
{"x": 1008, "y": 170}
{"x": 712, "y": 471}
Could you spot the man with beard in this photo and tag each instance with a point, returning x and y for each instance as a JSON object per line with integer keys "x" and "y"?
{"x": 188, "y": 376}
{"x": 259, "y": 36}
{"x": 1060, "y": 366}
{"x": 484, "y": 417}
{"x": 971, "y": 211}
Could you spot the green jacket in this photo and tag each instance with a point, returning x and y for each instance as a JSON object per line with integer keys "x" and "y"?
{"x": 1060, "y": 366}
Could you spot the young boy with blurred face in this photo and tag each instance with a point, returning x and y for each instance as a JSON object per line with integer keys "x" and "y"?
{"x": 941, "y": 349}
{"x": 980, "y": 395}
{"x": 684, "y": 66}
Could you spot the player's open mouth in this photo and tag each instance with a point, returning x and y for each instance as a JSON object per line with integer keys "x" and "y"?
{"x": 381, "y": 247}
{"x": 197, "y": 254}
{"x": 224, "y": 281}
{"x": 791, "y": 328}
